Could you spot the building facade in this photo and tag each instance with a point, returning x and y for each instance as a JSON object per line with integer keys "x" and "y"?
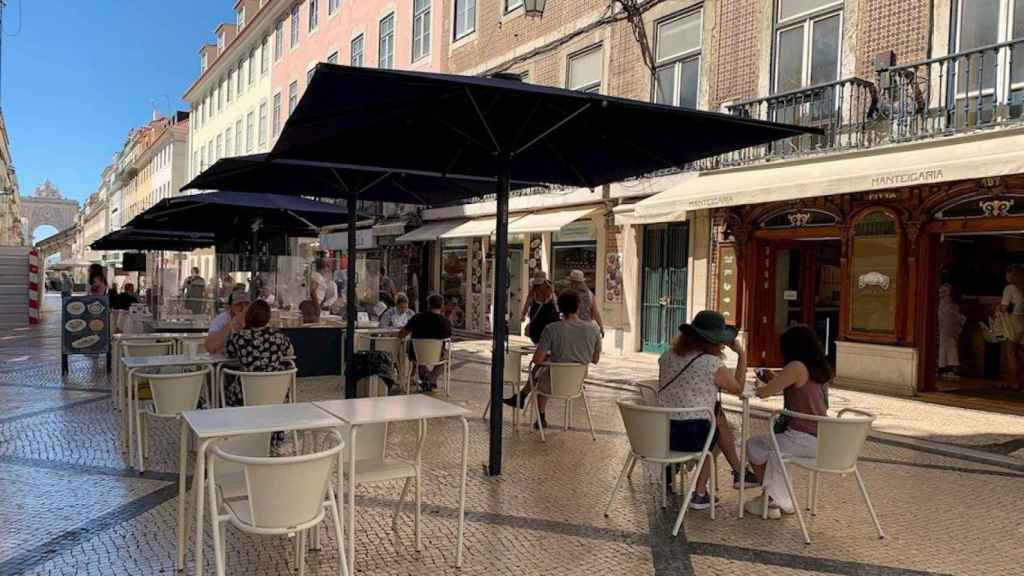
{"x": 12, "y": 231}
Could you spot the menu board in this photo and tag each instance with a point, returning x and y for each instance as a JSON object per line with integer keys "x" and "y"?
{"x": 85, "y": 324}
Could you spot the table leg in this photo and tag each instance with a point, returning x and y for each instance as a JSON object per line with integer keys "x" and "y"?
{"x": 129, "y": 405}
{"x": 198, "y": 480}
{"x": 419, "y": 481}
{"x": 462, "y": 490}
{"x": 744, "y": 431}
{"x": 182, "y": 473}
{"x": 352, "y": 499}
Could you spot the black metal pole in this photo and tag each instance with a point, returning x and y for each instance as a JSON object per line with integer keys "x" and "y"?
{"x": 499, "y": 328}
{"x": 350, "y": 298}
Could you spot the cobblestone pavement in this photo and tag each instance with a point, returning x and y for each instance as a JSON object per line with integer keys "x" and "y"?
{"x": 71, "y": 506}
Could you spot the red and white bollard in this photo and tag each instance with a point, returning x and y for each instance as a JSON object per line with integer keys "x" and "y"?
{"x": 33, "y": 286}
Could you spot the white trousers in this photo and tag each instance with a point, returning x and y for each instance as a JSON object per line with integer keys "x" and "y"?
{"x": 949, "y": 355}
{"x": 791, "y": 443}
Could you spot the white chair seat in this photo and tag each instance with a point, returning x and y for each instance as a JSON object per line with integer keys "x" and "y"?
{"x": 378, "y": 471}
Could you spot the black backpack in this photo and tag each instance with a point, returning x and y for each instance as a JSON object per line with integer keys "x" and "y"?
{"x": 540, "y": 316}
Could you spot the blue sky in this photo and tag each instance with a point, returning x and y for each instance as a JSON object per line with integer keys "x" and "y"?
{"x": 78, "y": 74}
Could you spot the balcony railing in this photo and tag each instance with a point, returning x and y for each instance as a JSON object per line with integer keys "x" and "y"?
{"x": 844, "y": 110}
{"x": 960, "y": 92}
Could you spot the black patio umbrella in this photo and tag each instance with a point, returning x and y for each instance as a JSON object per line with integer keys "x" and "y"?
{"x": 134, "y": 239}
{"x": 470, "y": 127}
{"x": 225, "y": 214}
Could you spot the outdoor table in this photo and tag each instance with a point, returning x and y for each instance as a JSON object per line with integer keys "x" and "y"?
{"x": 363, "y": 411}
{"x": 134, "y": 364}
{"x": 116, "y": 340}
{"x": 210, "y": 425}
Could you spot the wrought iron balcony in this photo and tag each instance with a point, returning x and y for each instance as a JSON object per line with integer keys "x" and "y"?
{"x": 844, "y": 110}
{"x": 973, "y": 89}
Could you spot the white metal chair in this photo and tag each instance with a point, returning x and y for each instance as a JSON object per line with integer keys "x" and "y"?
{"x": 259, "y": 388}
{"x": 648, "y": 429}
{"x": 567, "y": 383}
{"x": 513, "y": 377}
{"x": 284, "y": 495}
{"x": 139, "y": 348}
{"x": 395, "y": 347}
{"x": 191, "y": 345}
{"x": 372, "y": 465}
{"x": 433, "y": 353}
{"x": 840, "y": 441}
{"x": 172, "y": 395}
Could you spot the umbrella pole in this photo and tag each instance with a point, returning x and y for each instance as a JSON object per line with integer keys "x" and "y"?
{"x": 350, "y": 299}
{"x": 499, "y": 326}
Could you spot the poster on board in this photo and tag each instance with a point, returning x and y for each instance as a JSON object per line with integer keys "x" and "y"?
{"x": 85, "y": 325}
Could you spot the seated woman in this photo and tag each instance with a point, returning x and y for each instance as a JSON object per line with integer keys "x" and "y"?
{"x": 257, "y": 347}
{"x": 399, "y": 315}
{"x": 804, "y": 384}
{"x": 310, "y": 312}
{"x": 690, "y": 375}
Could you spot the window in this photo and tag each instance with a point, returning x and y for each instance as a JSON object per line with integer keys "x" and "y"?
{"x": 220, "y": 43}
{"x": 230, "y": 84}
{"x": 196, "y": 167}
{"x": 807, "y": 43}
{"x": 585, "y": 70}
{"x": 293, "y": 96}
{"x": 278, "y": 40}
{"x": 314, "y": 15}
{"x": 982, "y": 23}
{"x": 228, "y": 142}
{"x": 421, "y": 28}
{"x": 276, "y": 114}
{"x": 357, "y": 51}
{"x": 240, "y": 18}
{"x": 250, "y": 127}
{"x": 294, "y": 22}
{"x": 252, "y": 66}
{"x": 265, "y": 56}
{"x": 677, "y": 52}
{"x": 238, "y": 77}
{"x": 875, "y": 273}
{"x": 238, "y": 136}
{"x": 511, "y": 5}
{"x": 332, "y": 58}
{"x": 263, "y": 123}
{"x": 332, "y": 6}
{"x": 386, "y": 45}
{"x": 465, "y": 18}
{"x": 220, "y": 148}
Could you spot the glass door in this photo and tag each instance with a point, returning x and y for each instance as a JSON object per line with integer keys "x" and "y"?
{"x": 665, "y": 276}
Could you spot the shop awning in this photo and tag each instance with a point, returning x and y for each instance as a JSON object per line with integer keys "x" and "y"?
{"x": 962, "y": 158}
{"x": 552, "y": 221}
{"x": 476, "y": 227}
{"x": 389, "y": 228}
{"x": 429, "y": 232}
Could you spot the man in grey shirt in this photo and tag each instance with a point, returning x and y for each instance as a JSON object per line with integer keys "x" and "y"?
{"x": 569, "y": 340}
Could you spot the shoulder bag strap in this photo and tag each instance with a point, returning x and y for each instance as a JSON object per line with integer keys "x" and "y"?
{"x": 680, "y": 373}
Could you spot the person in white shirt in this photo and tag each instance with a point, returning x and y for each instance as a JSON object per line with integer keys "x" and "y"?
{"x": 227, "y": 322}
{"x": 317, "y": 284}
{"x": 399, "y": 315}
{"x": 330, "y": 296}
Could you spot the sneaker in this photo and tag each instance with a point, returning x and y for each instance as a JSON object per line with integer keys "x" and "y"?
{"x": 536, "y": 425}
{"x": 511, "y": 401}
{"x": 755, "y": 506}
{"x": 700, "y": 501}
{"x": 749, "y": 480}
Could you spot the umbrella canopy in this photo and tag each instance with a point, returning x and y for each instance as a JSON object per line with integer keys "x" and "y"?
{"x": 471, "y": 128}
{"x": 228, "y": 214}
{"x": 134, "y": 239}
{"x": 258, "y": 173}
{"x": 461, "y": 126}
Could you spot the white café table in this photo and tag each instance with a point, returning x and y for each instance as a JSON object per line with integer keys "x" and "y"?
{"x": 210, "y": 425}
{"x": 135, "y": 364}
{"x": 409, "y": 407}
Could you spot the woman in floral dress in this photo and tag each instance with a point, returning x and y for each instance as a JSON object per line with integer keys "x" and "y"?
{"x": 257, "y": 347}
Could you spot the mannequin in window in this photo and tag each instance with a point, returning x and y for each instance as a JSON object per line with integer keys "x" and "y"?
{"x": 951, "y": 323}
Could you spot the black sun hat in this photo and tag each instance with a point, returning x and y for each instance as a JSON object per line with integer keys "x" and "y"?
{"x": 711, "y": 326}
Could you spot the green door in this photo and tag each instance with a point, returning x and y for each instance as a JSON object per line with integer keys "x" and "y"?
{"x": 663, "y": 307}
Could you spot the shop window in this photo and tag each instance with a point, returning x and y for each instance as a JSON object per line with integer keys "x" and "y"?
{"x": 875, "y": 273}
{"x": 799, "y": 219}
{"x": 988, "y": 207}
{"x": 574, "y": 247}
{"x": 454, "y": 264}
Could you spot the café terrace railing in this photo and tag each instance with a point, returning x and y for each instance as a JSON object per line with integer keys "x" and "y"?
{"x": 965, "y": 91}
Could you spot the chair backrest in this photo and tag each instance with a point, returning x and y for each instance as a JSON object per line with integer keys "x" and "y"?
{"x": 244, "y": 445}
{"x": 192, "y": 346}
{"x": 148, "y": 348}
{"x": 513, "y": 366}
{"x": 389, "y": 345}
{"x": 285, "y": 492}
{"x": 648, "y": 427}
{"x": 841, "y": 439}
{"x": 362, "y": 342}
{"x": 567, "y": 378}
{"x": 260, "y": 388}
{"x": 175, "y": 393}
{"x": 428, "y": 351}
{"x": 648, "y": 394}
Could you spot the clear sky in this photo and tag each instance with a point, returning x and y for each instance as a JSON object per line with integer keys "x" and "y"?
{"x": 78, "y": 74}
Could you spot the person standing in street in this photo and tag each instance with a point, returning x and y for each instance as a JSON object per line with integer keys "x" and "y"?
{"x": 194, "y": 292}
{"x": 97, "y": 280}
{"x": 588, "y": 305}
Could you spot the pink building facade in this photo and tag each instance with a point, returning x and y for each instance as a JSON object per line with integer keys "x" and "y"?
{"x": 405, "y": 34}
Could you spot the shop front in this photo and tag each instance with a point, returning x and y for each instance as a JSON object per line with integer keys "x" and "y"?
{"x": 900, "y": 272}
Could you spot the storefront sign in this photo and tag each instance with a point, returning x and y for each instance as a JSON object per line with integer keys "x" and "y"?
{"x": 612, "y": 302}
{"x": 727, "y": 283}
{"x": 578, "y": 231}
{"x": 339, "y": 240}
{"x": 907, "y": 178}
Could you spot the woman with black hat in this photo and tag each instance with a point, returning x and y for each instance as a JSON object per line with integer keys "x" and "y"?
{"x": 690, "y": 375}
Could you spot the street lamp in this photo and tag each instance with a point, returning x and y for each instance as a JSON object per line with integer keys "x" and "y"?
{"x": 534, "y": 8}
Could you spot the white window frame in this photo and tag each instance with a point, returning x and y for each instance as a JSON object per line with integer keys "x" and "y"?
{"x": 589, "y": 88}
{"x": 313, "y": 16}
{"x": 510, "y": 6}
{"x": 361, "y": 39}
{"x": 389, "y": 40}
{"x": 422, "y": 42}
{"x": 294, "y": 27}
{"x": 293, "y": 91}
{"x": 229, "y": 144}
{"x": 275, "y": 115}
{"x": 250, "y": 130}
{"x": 279, "y": 40}
{"x": 261, "y": 126}
{"x": 252, "y": 66}
{"x": 1004, "y": 33}
{"x": 333, "y": 55}
{"x": 471, "y": 25}
{"x": 265, "y": 56}
{"x": 807, "y": 20}
{"x": 239, "y": 137}
{"x": 332, "y": 7}
{"x": 678, "y": 60}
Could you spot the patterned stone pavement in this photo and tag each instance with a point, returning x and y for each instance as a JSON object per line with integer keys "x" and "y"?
{"x": 70, "y": 505}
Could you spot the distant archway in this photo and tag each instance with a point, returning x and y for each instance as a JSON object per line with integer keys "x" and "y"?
{"x": 43, "y": 231}
{"x": 46, "y": 206}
